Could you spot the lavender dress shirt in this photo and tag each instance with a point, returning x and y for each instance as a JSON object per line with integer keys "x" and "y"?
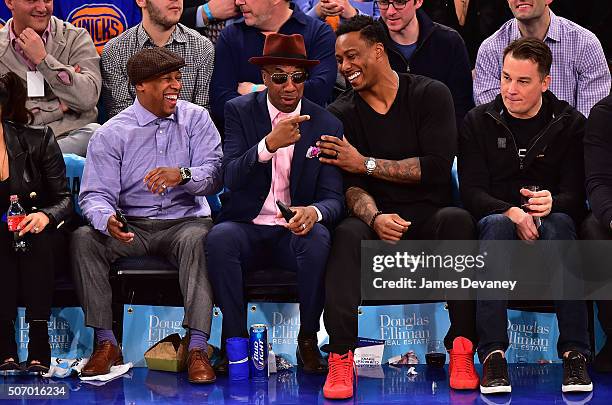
{"x": 135, "y": 142}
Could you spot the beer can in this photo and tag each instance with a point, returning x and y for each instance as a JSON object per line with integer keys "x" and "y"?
{"x": 258, "y": 352}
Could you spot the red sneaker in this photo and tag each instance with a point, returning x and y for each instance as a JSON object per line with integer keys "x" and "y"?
{"x": 339, "y": 382}
{"x": 463, "y": 375}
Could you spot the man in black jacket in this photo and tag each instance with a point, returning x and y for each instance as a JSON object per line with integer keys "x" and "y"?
{"x": 397, "y": 156}
{"x": 526, "y": 136}
{"x": 417, "y": 45}
{"x": 598, "y": 225}
{"x": 475, "y": 20}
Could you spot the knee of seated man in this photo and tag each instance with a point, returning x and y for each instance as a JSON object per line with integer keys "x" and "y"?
{"x": 195, "y": 232}
{"x": 318, "y": 238}
{"x": 592, "y": 229}
{"x": 454, "y": 217}
{"x": 496, "y": 222}
{"x": 319, "y": 234}
{"x": 558, "y": 226}
{"x": 222, "y": 236}
{"x": 82, "y": 237}
{"x": 351, "y": 228}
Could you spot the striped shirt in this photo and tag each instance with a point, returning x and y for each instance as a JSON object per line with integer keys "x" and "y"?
{"x": 579, "y": 72}
{"x": 198, "y": 52}
{"x": 130, "y": 145}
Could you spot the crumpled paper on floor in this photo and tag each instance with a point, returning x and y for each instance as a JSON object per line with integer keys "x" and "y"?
{"x": 115, "y": 371}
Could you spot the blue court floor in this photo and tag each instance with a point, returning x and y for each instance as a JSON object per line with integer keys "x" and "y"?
{"x": 531, "y": 384}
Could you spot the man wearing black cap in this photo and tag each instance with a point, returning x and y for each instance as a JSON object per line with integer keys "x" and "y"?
{"x": 270, "y": 156}
{"x": 155, "y": 161}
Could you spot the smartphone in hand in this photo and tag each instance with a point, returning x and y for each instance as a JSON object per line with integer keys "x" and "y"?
{"x": 121, "y": 218}
{"x": 285, "y": 211}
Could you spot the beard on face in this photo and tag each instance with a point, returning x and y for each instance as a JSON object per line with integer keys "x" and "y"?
{"x": 158, "y": 17}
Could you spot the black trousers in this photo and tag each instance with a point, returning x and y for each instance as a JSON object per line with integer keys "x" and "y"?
{"x": 32, "y": 273}
{"x": 592, "y": 229}
{"x": 343, "y": 278}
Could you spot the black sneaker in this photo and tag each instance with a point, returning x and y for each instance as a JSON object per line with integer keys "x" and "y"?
{"x": 575, "y": 375}
{"x": 495, "y": 375}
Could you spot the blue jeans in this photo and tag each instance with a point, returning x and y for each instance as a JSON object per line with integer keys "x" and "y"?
{"x": 492, "y": 317}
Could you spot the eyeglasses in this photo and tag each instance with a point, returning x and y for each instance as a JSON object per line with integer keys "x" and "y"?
{"x": 281, "y": 78}
{"x": 397, "y": 4}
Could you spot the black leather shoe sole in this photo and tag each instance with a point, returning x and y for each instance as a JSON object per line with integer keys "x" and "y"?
{"x": 220, "y": 366}
{"x": 37, "y": 368}
{"x": 9, "y": 366}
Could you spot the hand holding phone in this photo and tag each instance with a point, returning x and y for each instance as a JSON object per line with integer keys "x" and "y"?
{"x": 285, "y": 211}
{"x": 121, "y": 218}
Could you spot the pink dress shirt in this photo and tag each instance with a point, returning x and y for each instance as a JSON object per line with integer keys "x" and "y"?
{"x": 281, "y": 171}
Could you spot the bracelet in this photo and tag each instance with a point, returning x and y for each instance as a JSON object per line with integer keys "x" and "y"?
{"x": 207, "y": 12}
{"x": 374, "y": 218}
{"x": 254, "y": 89}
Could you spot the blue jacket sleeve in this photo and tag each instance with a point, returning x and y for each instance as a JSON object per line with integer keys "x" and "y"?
{"x": 240, "y": 161}
{"x": 329, "y": 194}
{"x": 319, "y": 86}
{"x": 223, "y": 84}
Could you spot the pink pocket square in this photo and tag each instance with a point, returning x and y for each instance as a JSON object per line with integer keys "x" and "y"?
{"x": 313, "y": 152}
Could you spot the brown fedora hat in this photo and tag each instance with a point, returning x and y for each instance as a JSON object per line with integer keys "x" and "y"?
{"x": 280, "y": 49}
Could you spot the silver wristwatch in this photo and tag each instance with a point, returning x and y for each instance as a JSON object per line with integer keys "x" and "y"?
{"x": 185, "y": 175}
{"x": 370, "y": 165}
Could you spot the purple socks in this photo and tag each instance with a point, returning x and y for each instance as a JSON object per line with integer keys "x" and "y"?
{"x": 198, "y": 340}
{"x": 105, "y": 335}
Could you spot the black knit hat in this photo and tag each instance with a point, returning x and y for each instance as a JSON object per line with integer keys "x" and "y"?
{"x": 151, "y": 63}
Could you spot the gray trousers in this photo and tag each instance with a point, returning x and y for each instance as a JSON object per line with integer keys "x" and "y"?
{"x": 181, "y": 241}
{"x": 76, "y": 141}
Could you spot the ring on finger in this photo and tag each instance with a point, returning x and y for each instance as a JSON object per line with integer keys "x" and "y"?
{"x": 35, "y": 229}
{"x": 303, "y": 226}
{"x": 337, "y": 153}
{"x": 164, "y": 186}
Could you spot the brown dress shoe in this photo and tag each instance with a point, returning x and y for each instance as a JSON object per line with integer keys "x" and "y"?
{"x": 199, "y": 370}
{"x": 309, "y": 356}
{"x": 105, "y": 356}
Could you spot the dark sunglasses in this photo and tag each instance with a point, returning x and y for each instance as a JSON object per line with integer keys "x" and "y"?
{"x": 296, "y": 77}
{"x": 398, "y": 5}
